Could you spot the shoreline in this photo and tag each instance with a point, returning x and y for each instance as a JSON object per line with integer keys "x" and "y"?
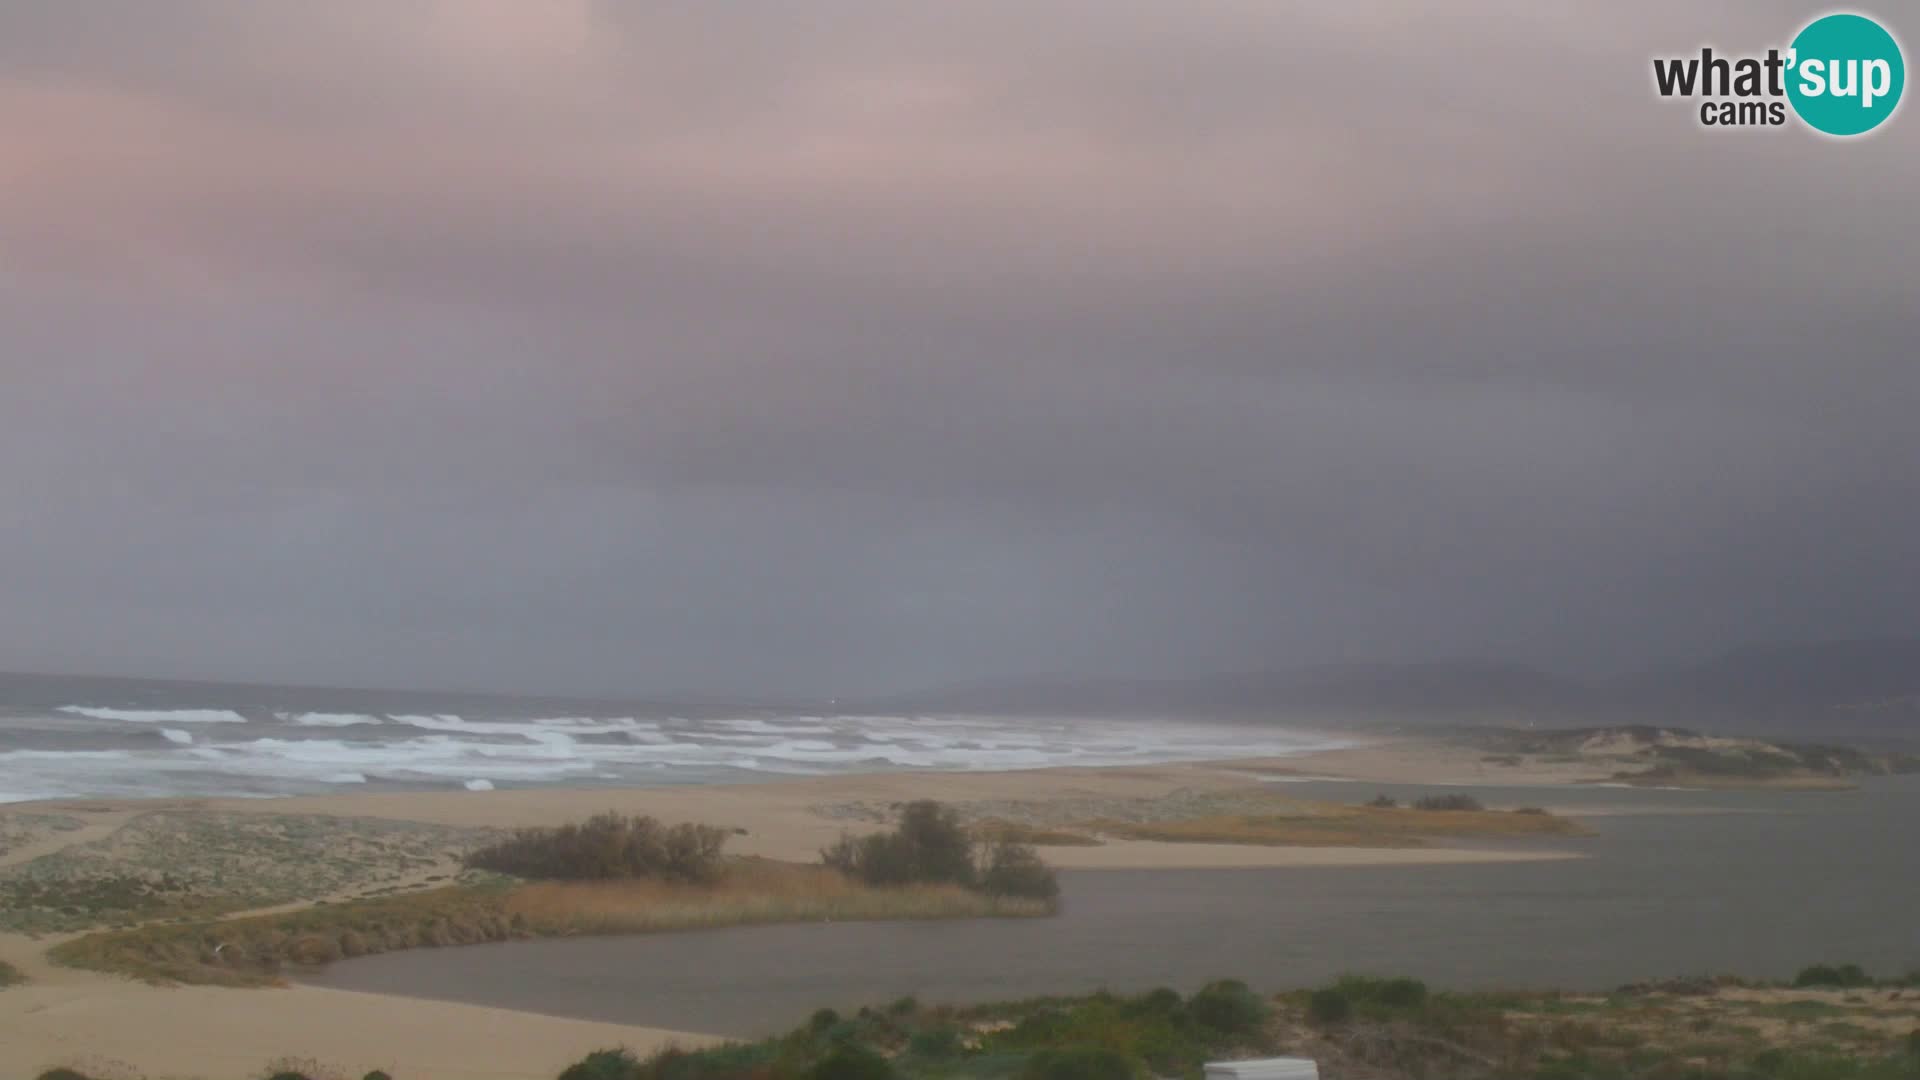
{"x": 792, "y": 819}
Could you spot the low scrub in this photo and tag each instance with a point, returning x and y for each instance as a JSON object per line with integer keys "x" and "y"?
{"x": 606, "y": 847}
{"x": 1845, "y": 976}
{"x": 1851, "y": 977}
{"x": 10, "y": 975}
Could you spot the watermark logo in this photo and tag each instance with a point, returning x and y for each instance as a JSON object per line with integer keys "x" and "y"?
{"x": 1842, "y": 75}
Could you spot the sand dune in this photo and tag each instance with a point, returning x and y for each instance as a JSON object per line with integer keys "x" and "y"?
{"x": 221, "y": 1034}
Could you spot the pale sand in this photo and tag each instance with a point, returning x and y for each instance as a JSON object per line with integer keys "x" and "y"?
{"x": 69, "y": 1016}
{"x": 1424, "y": 761}
{"x": 781, "y": 821}
{"x": 74, "y": 1018}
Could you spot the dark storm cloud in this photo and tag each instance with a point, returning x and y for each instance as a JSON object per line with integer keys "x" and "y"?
{"x": 846, "y": 347}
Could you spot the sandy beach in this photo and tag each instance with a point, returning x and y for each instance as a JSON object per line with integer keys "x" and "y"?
{"x": 64, "y": 1016}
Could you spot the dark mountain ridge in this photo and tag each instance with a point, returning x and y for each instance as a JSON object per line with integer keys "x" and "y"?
{"x": 1849, "y": 687}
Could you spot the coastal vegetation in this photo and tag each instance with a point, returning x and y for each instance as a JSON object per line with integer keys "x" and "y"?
{"x": 10, "y": 975}
{"x": 994, "y": 830}
{"x": 930, "y": 846}
{"x": 1386, "y": 1028}
{"x": 1373, "y": 824}
{"x": 1357, "y": 1025}
{"x": 607, "y": 847}
{"x": 1645, "y": 754}
{"x": 1241, "y": 815}
{"x": 609, "y": 875}
{"x": 175, "y": 864}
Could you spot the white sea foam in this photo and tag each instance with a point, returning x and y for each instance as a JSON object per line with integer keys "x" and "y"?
{"x": 327, "y": 719}
{"x": 448, "y": 749}
{"x": 158, "y": 716}
{"x": 65, "y": 755}
{"x": 478, "y": 784}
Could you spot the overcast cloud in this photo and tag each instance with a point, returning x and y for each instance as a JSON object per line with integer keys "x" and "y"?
{"x": 837, "y": 348}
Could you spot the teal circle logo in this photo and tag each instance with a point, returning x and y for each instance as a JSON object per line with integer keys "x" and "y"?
{"x": 1846, "y": 74}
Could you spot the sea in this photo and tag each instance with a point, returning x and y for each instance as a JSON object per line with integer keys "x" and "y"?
{"x": 79, "y": 738}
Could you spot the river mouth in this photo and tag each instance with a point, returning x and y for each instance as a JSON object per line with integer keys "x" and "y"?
{"x": 1793, "y": 880}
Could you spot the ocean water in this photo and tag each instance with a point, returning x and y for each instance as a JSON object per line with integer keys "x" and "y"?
{"x": 104, "y": 745}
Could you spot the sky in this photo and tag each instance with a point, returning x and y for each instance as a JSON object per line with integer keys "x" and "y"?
{"x": 844, "y": 348}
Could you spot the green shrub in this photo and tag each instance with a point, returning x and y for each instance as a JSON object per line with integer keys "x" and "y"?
{"x": 604, "y": 1065}
{"x": 1384, "y": 802}
{"x": 1227, "y": 1006}
{"x": 930, "y": 846}
{"x": 1162, "y": 1001}
{"x": 904, "y": 1006}
{"x": 378, "y": 1074}
{"x": 1448, "y": 802}
{"x": 1016, "y": 870}
{"x": 1913, "y": 1043}
{"x": 606, "y": 846}
{"x": 1845, "y": 976}
{"x": 941, "y": 1042}
{"x": 822, "y": 1020}
{"x": 1081, "y": 1063}
{"x": 1039, "y": 1028}
{"x": 1329, "y": 1006}
{"x": 852, "y": 1062}
{"x": 62, "y": 1074}
{"x": 1383, "y": 995}
{"x": 721, "y": 1062}
{"x": 844, "y": 1031}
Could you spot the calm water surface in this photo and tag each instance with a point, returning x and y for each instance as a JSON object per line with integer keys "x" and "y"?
{"x": 1775, "y": 882}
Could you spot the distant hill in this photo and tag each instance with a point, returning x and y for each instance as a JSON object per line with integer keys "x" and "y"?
{"x": 20, "y": 690}
{"x": 1646, "y": 754}
{"x": 1851, "y": 688}
{"x": 1440, "y": 688}
{"x": 1843, "y": 687}
{"x": 1831, "y": 673}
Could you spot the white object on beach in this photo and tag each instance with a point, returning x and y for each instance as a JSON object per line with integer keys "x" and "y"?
{"x": 1283, "y": 1068}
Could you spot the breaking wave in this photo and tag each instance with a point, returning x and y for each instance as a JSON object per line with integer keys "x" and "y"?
{"x": 158, "y": 716}
{"x": 294, "y": 752}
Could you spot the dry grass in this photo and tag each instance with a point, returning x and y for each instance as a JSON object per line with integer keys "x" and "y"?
{"x": 753, "y": 891}
{"x": 253, "y": 951}
{"x": 1344, "y": 826}
{"x": 1000, "y": 830}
